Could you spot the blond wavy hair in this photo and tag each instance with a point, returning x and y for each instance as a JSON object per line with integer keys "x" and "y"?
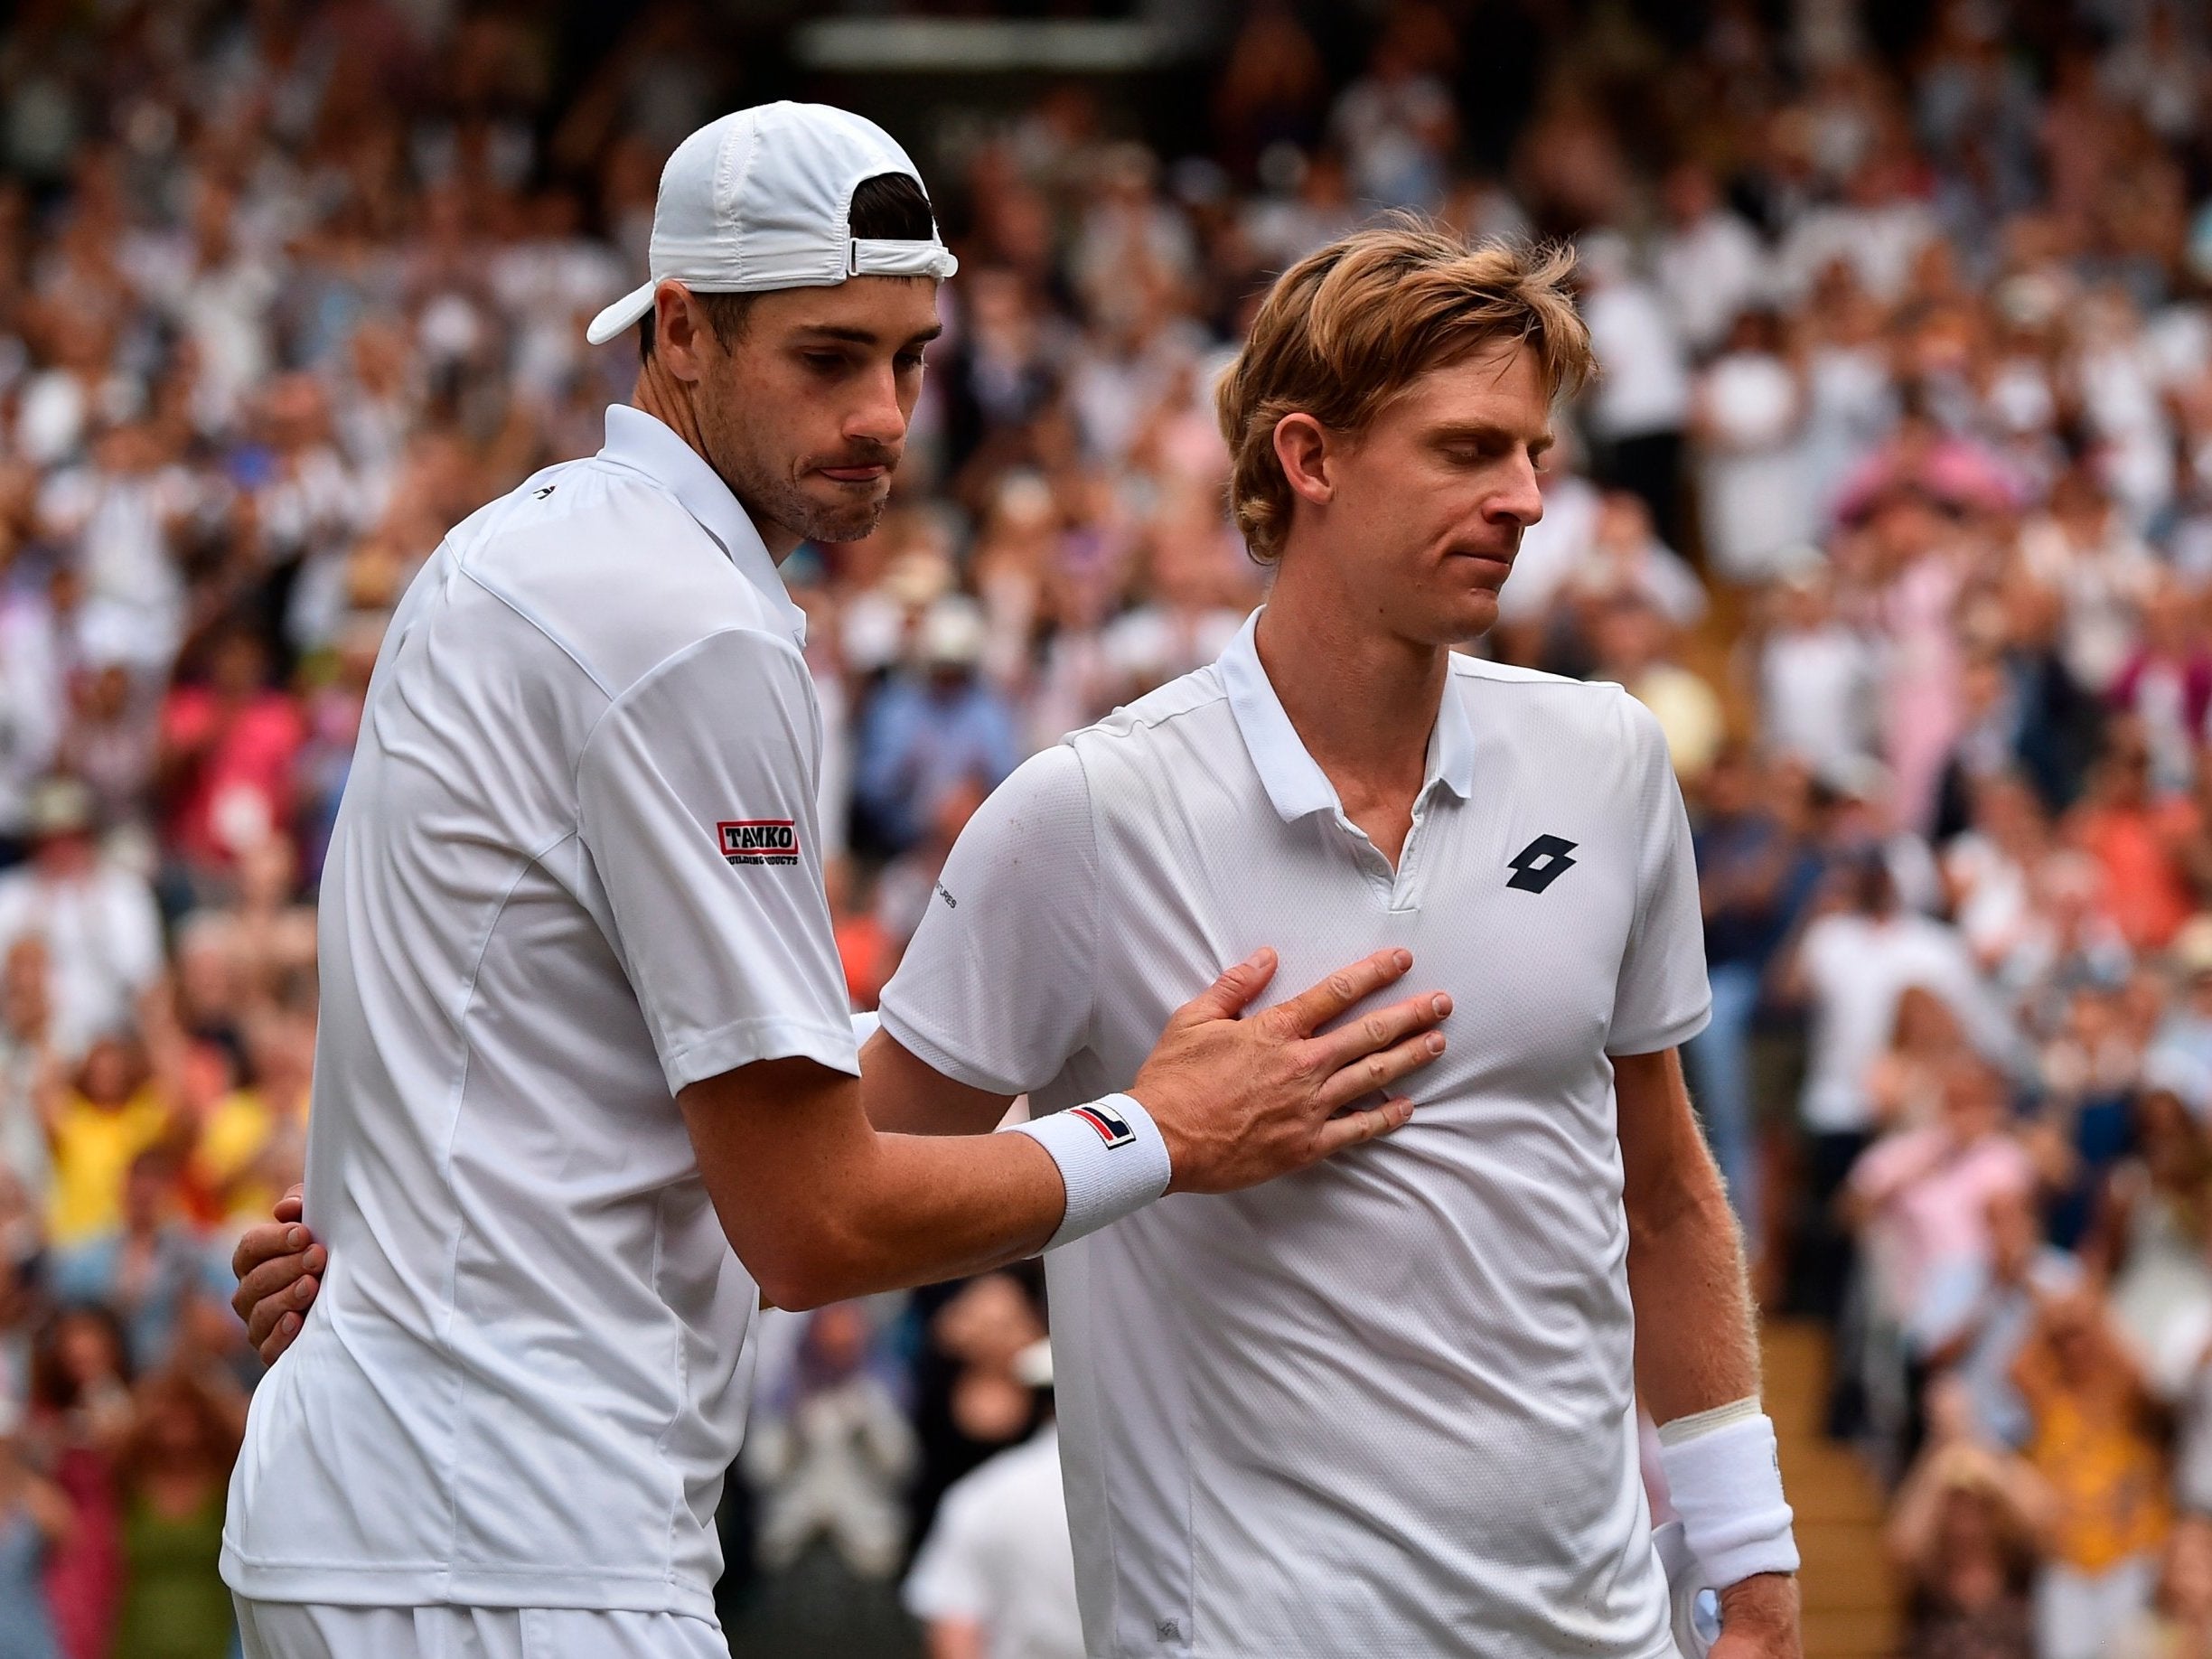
{"x": 1349, "y": 327}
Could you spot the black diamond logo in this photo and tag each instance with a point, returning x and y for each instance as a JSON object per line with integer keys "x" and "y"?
{"x": 1541, "y": 863}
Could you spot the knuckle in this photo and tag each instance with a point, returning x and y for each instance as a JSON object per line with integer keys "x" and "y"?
{"x": 1377, "y": 1029}
{"x": 1341, "y": 984}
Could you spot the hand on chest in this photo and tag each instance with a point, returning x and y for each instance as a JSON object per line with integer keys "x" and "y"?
{"x": 1522, "y": 916}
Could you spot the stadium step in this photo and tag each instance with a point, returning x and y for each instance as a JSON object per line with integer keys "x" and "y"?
{"x": 1849, "y": 1601}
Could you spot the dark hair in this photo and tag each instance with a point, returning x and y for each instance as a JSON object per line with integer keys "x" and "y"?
{"x": 888, "y": 208}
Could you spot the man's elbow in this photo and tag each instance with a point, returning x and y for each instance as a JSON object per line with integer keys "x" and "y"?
{"x": 799, "y": 1274}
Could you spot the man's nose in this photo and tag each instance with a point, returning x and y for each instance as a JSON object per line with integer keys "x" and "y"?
{"x": 1522, "y": 497}
{"x": 880, "y": 418}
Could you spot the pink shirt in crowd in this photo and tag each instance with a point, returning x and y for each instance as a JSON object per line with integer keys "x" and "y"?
{"x": 1933, "y": 1198}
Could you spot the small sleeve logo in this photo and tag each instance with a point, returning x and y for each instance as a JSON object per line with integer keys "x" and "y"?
{"x": 1112, "y": 1128}
{"x": 759, "y": 840}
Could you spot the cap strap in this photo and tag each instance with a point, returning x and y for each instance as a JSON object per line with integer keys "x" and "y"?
{"x": 869, "y": 257}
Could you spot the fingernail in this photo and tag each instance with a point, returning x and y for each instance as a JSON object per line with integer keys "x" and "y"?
{"x": 1436, "y": 1042}
{"x": 1442, "y": 1004}
{"x": 307, "y": 1290}
{"x": 316, "y": 1259}
{"x": 288, "y": 1323}
{"x": 295, "y": 1238}
{"x": 1404, "y": 959}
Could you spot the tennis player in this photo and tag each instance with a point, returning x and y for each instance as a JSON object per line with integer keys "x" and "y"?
{"x": 583, "y": 1025}
{"x": 1387, "y": 1405}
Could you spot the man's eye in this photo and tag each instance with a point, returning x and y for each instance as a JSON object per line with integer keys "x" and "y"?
{"x": 826, "y": 362}
{"x": 910, "y": 360}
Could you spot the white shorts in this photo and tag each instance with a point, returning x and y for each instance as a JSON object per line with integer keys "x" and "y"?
{"x": 294, "y": 1630}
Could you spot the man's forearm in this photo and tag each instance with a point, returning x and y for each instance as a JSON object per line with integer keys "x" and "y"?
{"x": 1695, "y": 1342}
{"x": 938, "y": 1207}
{"x": 820, "y": 1207}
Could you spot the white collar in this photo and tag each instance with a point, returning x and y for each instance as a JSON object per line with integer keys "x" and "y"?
{"x": 648, "y": 445}
{"x": 1295, "y": 782}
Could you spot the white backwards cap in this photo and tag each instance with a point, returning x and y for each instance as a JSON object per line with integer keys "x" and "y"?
{"x": 761, "y": 199}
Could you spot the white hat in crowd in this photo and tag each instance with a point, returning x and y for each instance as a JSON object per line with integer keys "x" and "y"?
{"x": 952, "y": 633}
{"x": 761, "y": 200}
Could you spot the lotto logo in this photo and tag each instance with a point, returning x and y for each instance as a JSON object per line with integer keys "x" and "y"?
{"x": 759, "y": 840}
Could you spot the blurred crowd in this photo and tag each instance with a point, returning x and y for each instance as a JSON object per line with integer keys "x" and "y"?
{"x": 1894, "y": 500}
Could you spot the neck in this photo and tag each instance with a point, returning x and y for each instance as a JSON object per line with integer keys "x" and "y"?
{"x": 663, "y": 396}
{"x": 1362, "y": 701}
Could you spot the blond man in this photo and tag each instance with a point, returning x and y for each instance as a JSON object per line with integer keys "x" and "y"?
{"x": 1385, "y": 1406}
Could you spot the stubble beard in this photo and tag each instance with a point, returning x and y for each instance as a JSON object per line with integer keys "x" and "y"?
{"x": 767, "y": 491}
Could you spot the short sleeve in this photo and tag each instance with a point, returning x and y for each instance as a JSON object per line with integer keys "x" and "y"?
{"x": 997, "y": 989}
{"x": 695, "y": 802}
{"x": 1661, "y": 999}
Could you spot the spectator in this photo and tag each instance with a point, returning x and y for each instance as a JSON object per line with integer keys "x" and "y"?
{"x": 1748, "y": 414}
{"x": 171, "y": 1470}
{"x": 2095, "y": 1439}
{"x": 98, "y": 918}
{"x": 829, "y": 1464}
{"x": 1930, "y": 1190}
{"x": 80, "y": 1406}
{"x": 1710, "y": 264}
{"x": 2150, "y": 1240}
{"x": 1745, "y": 857}
{"x": 146, "y": 1268}
{"x": 929, "y": 731}
{"x": 2138, "y": 839}
{"x": 1817, "y": 679}
{"x": 2178, "y": 1622}
{"x": 1975, "y": 1312}
{"x": 1632, "y": 649}
{"x": 110, "y": 1115}
{"x": 1850, "y": 965}
{"x": 34, "y": 1516}
{"x": 1964, "y": 1533}
{"x": 226, "y": 761}
{"x": 1641, "y": 404}
{"x": 996, "y": 1578}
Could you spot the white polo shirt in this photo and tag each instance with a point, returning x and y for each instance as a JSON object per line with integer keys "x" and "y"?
{"x": 1385, "y": 1406}
{"x": 575, "y": 869}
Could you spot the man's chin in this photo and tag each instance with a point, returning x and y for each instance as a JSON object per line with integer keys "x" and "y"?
{"x": 845, "y": 520}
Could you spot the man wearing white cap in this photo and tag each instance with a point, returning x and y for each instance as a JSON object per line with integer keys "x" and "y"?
{"x": 583, "y": 1024}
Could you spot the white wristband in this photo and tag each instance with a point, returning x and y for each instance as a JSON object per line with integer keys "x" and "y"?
{"x": 1724, "y": 1474}
{"x": 1112, "y": 1158}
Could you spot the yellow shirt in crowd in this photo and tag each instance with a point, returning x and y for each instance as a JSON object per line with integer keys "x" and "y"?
{"x": 231, "y": 1137}
{"x": 93, "y": 1153}
{"x": 2111, "y": 1481}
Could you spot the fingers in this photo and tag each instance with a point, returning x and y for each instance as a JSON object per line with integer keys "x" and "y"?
{"x": 265, "y": 1241}
{"x": 1354, "y": 1128}
{"x": 1226, "y": 998}
{"x": 1380, "y": 1028}
{"x": 1320, "y": 1004}
{"x": 279, "y": 1286}
{"x": 293, "y": 1204}
{"x": 1370, "y": 1073}
{"x": 272, "y": 1349}
{"x": 279, "y": 1314}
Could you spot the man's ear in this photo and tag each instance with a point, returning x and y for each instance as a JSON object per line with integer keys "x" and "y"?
{"x": 678, "y": 323}
{"x": 1302, "y": 447}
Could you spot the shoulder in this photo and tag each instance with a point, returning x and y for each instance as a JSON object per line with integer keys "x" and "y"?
{"x": 1536, "y": 709}
{"x": 1035, "y": 826}
{"x": 1136, "y": 725}
{"x": 612, "y": 569}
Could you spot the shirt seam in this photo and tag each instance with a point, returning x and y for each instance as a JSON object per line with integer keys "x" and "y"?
{"x": 1092, "y": 1035}
{"x": 667, "y": 664}
{"x": 450, "y": 1310}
